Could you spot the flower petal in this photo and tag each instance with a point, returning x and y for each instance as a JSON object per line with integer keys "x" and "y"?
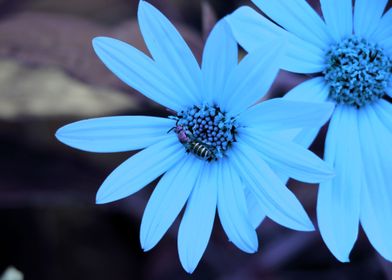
{"x": 338, "y": 15}
{"x": 281, "y": 114}
{"x": 376, "y": 196}
{"x": 170, "y": 51}
{"x": 115, "y": 134}
{"x": 220, "y": 57}
{"x": 288, "y": 157}
{"x": 367, "y": 15}
{"x": 256, "y": 212}
{"x": 383, "y": 110}
{"x": 233, "y": 212}
{"x": 338, "y": 203}
{"x": 196, "y": 225}
{"x": 167, "y": 200}
{"x": 297, "y": 17}
{"x": 138, "y": 71}
{"x": 278, "y": 202}
{"x": 252, "y": 30}
{"x": 252, "y": 78}
{"x": 383, "y": 33}
{"x": 313, "y": 90}
{"x": 140, "y": 169}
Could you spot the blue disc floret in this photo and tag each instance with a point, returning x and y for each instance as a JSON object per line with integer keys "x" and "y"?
{"x": 205, "y": 131}
{"x": 357, "y": 72}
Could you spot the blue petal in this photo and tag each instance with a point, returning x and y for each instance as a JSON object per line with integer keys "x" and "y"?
{"x": 383, "y": 33}
{"x": 338, "y": 15}
{"x": 252, "y": 78}
{"x": 233, "y": 212}
{"x": 138, "y": 71}
{"x": 220, "y": 57}
{"x": 277, "y": 201}
{"x": 252, "y": 31}
{"x": 167, "y": 200}
{"x": 196, "y": 225}
{"x": 287, "y": 157}
{"x": 114, "y": 134}
{"x": 256, "y": 212}
{"x": 313, "y": 90}
{"x": 383, "y": 110}
{"x": 338, "y": 203}
{"x": 376, "y": 195}
{"x": 170, "y": 52}
{"x": 367, "y": 15}
{"x": 281, "y": 114}
{"x": 299, "y": 18}
{"x": 140, "y": 169}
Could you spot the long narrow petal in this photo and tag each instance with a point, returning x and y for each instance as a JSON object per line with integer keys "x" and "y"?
{"x": 376, "y": 196}
{"x": 313, "y": 90}
{"x": 338, "y": 203}
{"x": 170, "y": 51}
{"x": 167, "y": 200}
{"x": 367, "y": 15}
{"x": 197, "y": 222}
{"x": 256, "y": 212}
{"x": 383, "y": 110}
{"x": 140, "y": 169}
{"x": 220, "y": 58}
{"x": 383, "y": 32}
{"x": 299, "y": 18}
{"x": 252, "y": 30}
{"x": 253, "y": 77}
{"x": 281, "y": 114}
{"x": 114, "y": 134}
{"x": 288, "y": 158}
{"x": 233, "y": 212}
{"x": 277, "y": 201}
{"x": 138, "y": 71}
{"x": 338, "y": 15}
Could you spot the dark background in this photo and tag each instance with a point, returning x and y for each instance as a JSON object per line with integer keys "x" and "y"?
{"x": 50, "y": 228}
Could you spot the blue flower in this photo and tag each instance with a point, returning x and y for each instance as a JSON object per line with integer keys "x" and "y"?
{"x": 351, "y": 49}
{"x": 214, "y": 149}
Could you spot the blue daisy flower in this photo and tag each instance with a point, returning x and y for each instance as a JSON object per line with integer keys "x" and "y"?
{"x": 351, "y": 50}
{"x": 214, "y": 150}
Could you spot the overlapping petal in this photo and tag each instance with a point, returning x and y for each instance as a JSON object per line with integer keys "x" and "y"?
{"x": 170, "y": 52}
{"x": 383, "y": 33}
{"x": 197, "y": 222}
{"x": 233, "y": 212}
{"x": 140, "y": 169}
{"x": 253, "y": 76}
{"x": 115, "y": 134}
{"x": 278, "y": 202}
{"x": 138, "y": 71}
{"x": 376, "y": 195}
{"x": 338, "y": 204}
{"x": 281, "y": 114}
{"x": 338, "y": 15}
{"x": 367, "y": 16}
{"x": 252, "y": 31}
{"x": 288, "y": 157}
{"x": 220, "y": 58}
{"x": 167, "y": 200}
{"x": 297, "y": 17}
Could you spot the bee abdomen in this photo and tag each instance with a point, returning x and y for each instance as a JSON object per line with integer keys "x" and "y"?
{"x": 200, "y": 150}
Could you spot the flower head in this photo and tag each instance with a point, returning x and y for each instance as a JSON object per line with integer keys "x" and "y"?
{"x": 351, "y": 53}
{"x": 213, "y": 149}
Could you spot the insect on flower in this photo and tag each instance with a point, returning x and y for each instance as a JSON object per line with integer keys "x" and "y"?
{"x": 215, "y": 147}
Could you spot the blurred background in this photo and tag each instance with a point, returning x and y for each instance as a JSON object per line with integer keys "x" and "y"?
{"x": 50, "y": 227}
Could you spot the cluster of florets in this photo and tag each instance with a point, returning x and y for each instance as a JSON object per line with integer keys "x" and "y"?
{"x": 205, "y": 129}
{"x": 357, "y": 72}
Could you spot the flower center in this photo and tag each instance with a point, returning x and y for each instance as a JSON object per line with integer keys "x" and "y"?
{"x": 205, "y": 131}
{"x": 357, "y": 72}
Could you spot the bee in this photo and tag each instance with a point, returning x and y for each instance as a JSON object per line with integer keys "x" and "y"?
{"x": 201, "y": 150}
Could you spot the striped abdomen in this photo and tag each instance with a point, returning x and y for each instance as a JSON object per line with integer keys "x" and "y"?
{"x": 200, "y": 150}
